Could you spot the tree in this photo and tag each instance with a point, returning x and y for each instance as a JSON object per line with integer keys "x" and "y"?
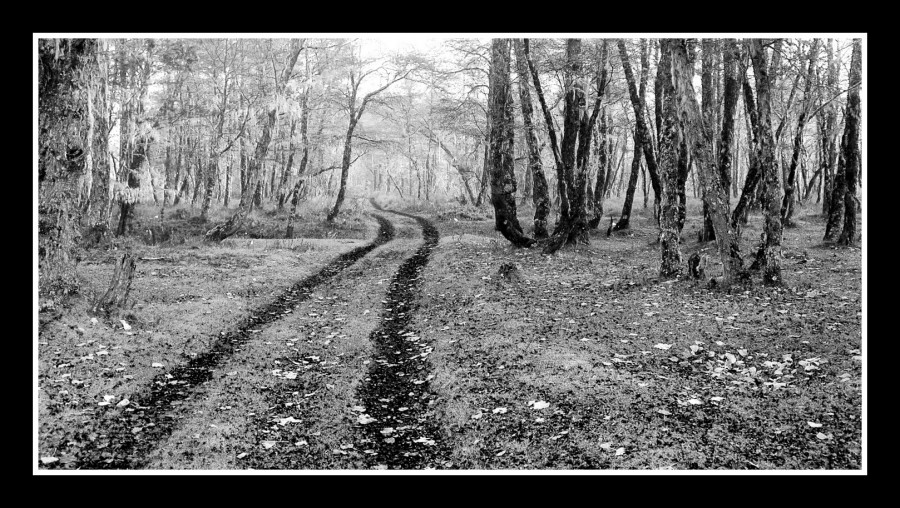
{"x": 356, "y": 77}
{"x": 670, "y": 143}
{"x": 135, "y": 136}
{"x": 540, "y": 195}
{"x": 850, "y": 146}
{"x": 576, "y": 146}
{"x": 733, "y": 80}
{"x": 67, "y": 77}
{"x": 769, "y": 255}
{"x": 502, "y": 154}
{"x": 787, "y": 205}
{"x": 236, "y": 221}
{"x": 551, "y": 133}
{"x": 700, "y": 135}
{"x": 642, "y": 143}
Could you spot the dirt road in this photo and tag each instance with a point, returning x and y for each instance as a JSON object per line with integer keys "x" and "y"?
{"x": 217, "y": 411}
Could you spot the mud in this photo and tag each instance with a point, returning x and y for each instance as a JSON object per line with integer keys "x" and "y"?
{"x": 398, "y": 420}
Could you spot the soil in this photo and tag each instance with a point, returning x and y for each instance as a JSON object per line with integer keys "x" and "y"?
{"x": 437, "y": 345}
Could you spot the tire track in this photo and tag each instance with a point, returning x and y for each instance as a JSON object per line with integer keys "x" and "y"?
{"x": 397, "y": 417}
{"x": 122, "y": 440}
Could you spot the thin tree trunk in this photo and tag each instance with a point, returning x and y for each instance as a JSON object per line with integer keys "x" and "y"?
{"x": 540, "y": 195}
{"x": 851, "y": 147}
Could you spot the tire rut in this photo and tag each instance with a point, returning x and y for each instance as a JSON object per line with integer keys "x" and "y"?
{"x": 123, "y": 440}
{"x": 398, "y": 418}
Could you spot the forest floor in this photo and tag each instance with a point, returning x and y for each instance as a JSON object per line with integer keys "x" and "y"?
{"x": 393, "y": 340}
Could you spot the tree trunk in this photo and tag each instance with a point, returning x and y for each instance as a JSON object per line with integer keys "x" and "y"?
{"x": 540, "y": 194}
{"x": 576, "y": 146}
{"x": 624, "y": 221}
{"x": 502, "y": 153}
{"x": 787, "y": 205}
{"x": 699, "y": 133}
{"x": 551, "y": 132}
{"x": 770, "y": 252}
{"x": 603, "y": 168}
{"x": 642, "y": 134}
{"x": 116, "y": 296}
{"x": 67, "y": 69}
{"x": 851, "y": 147}
{"x": 739, "y": 216}
{"x": 670, "y": 144}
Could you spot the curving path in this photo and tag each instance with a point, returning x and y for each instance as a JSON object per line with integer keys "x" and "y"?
{"x": 397, "y": 421}
{"x": 158, "y": 407}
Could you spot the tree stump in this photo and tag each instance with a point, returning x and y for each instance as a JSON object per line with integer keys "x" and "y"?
{"x": 119, "y": 286}
{"x": 697, "y": 265}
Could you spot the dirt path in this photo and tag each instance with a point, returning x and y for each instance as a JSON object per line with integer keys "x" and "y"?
{"x": 396, "y": 416}
{"x": 122, "y": 440}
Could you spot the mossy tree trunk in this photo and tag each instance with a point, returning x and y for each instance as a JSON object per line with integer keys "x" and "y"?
{"x": 576, "y": 144}
{"x": 770, "y": 252}
{"x": 701, "y": 140}
{"x": 66, "y": 72}
{"x": 502, "y": 152}
{"x": 851, "y": 147}
{"x": 670, "y": 144}
{"x": 540, "y": 192}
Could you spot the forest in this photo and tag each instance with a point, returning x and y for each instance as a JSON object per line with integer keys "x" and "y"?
{"x": 407, "y": 252}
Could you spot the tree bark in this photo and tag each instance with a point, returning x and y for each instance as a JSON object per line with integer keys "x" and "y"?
{"x": 787, "y": 205}
{"x": 637, "y": 102}
{"x": 770, "y": 252}
{"x": 751, "y": 181}
{"x": 116, "y": 295}
{"x": 699, "y": 133}
{"x": 540, "y": 194}
{"x": 576, "y": 146}
{"x": 502, "y": 160}
{"x": 551, "y": 132}
{"x": 670, "y": 144}
{"x": 67, "y": 69}
{"x": 851, "y": 147}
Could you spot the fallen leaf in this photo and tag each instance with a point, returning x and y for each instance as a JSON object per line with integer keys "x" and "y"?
{"x": 620, "y": 451}
{"x": 500, "y": 410}
{"x": 48, "y": 460}
{"x": 663, "y": 412}
{"x": 663, "y": 346}
{"x": 125, "y": 325}
{"x": 541, "y": 405}
{"x": 268, "y": 444}
{"x": 364, "y": 419}
{"x": 242, "y": 455}
{"x": 157, "y": 365}
{"x": 814, "y": 425}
